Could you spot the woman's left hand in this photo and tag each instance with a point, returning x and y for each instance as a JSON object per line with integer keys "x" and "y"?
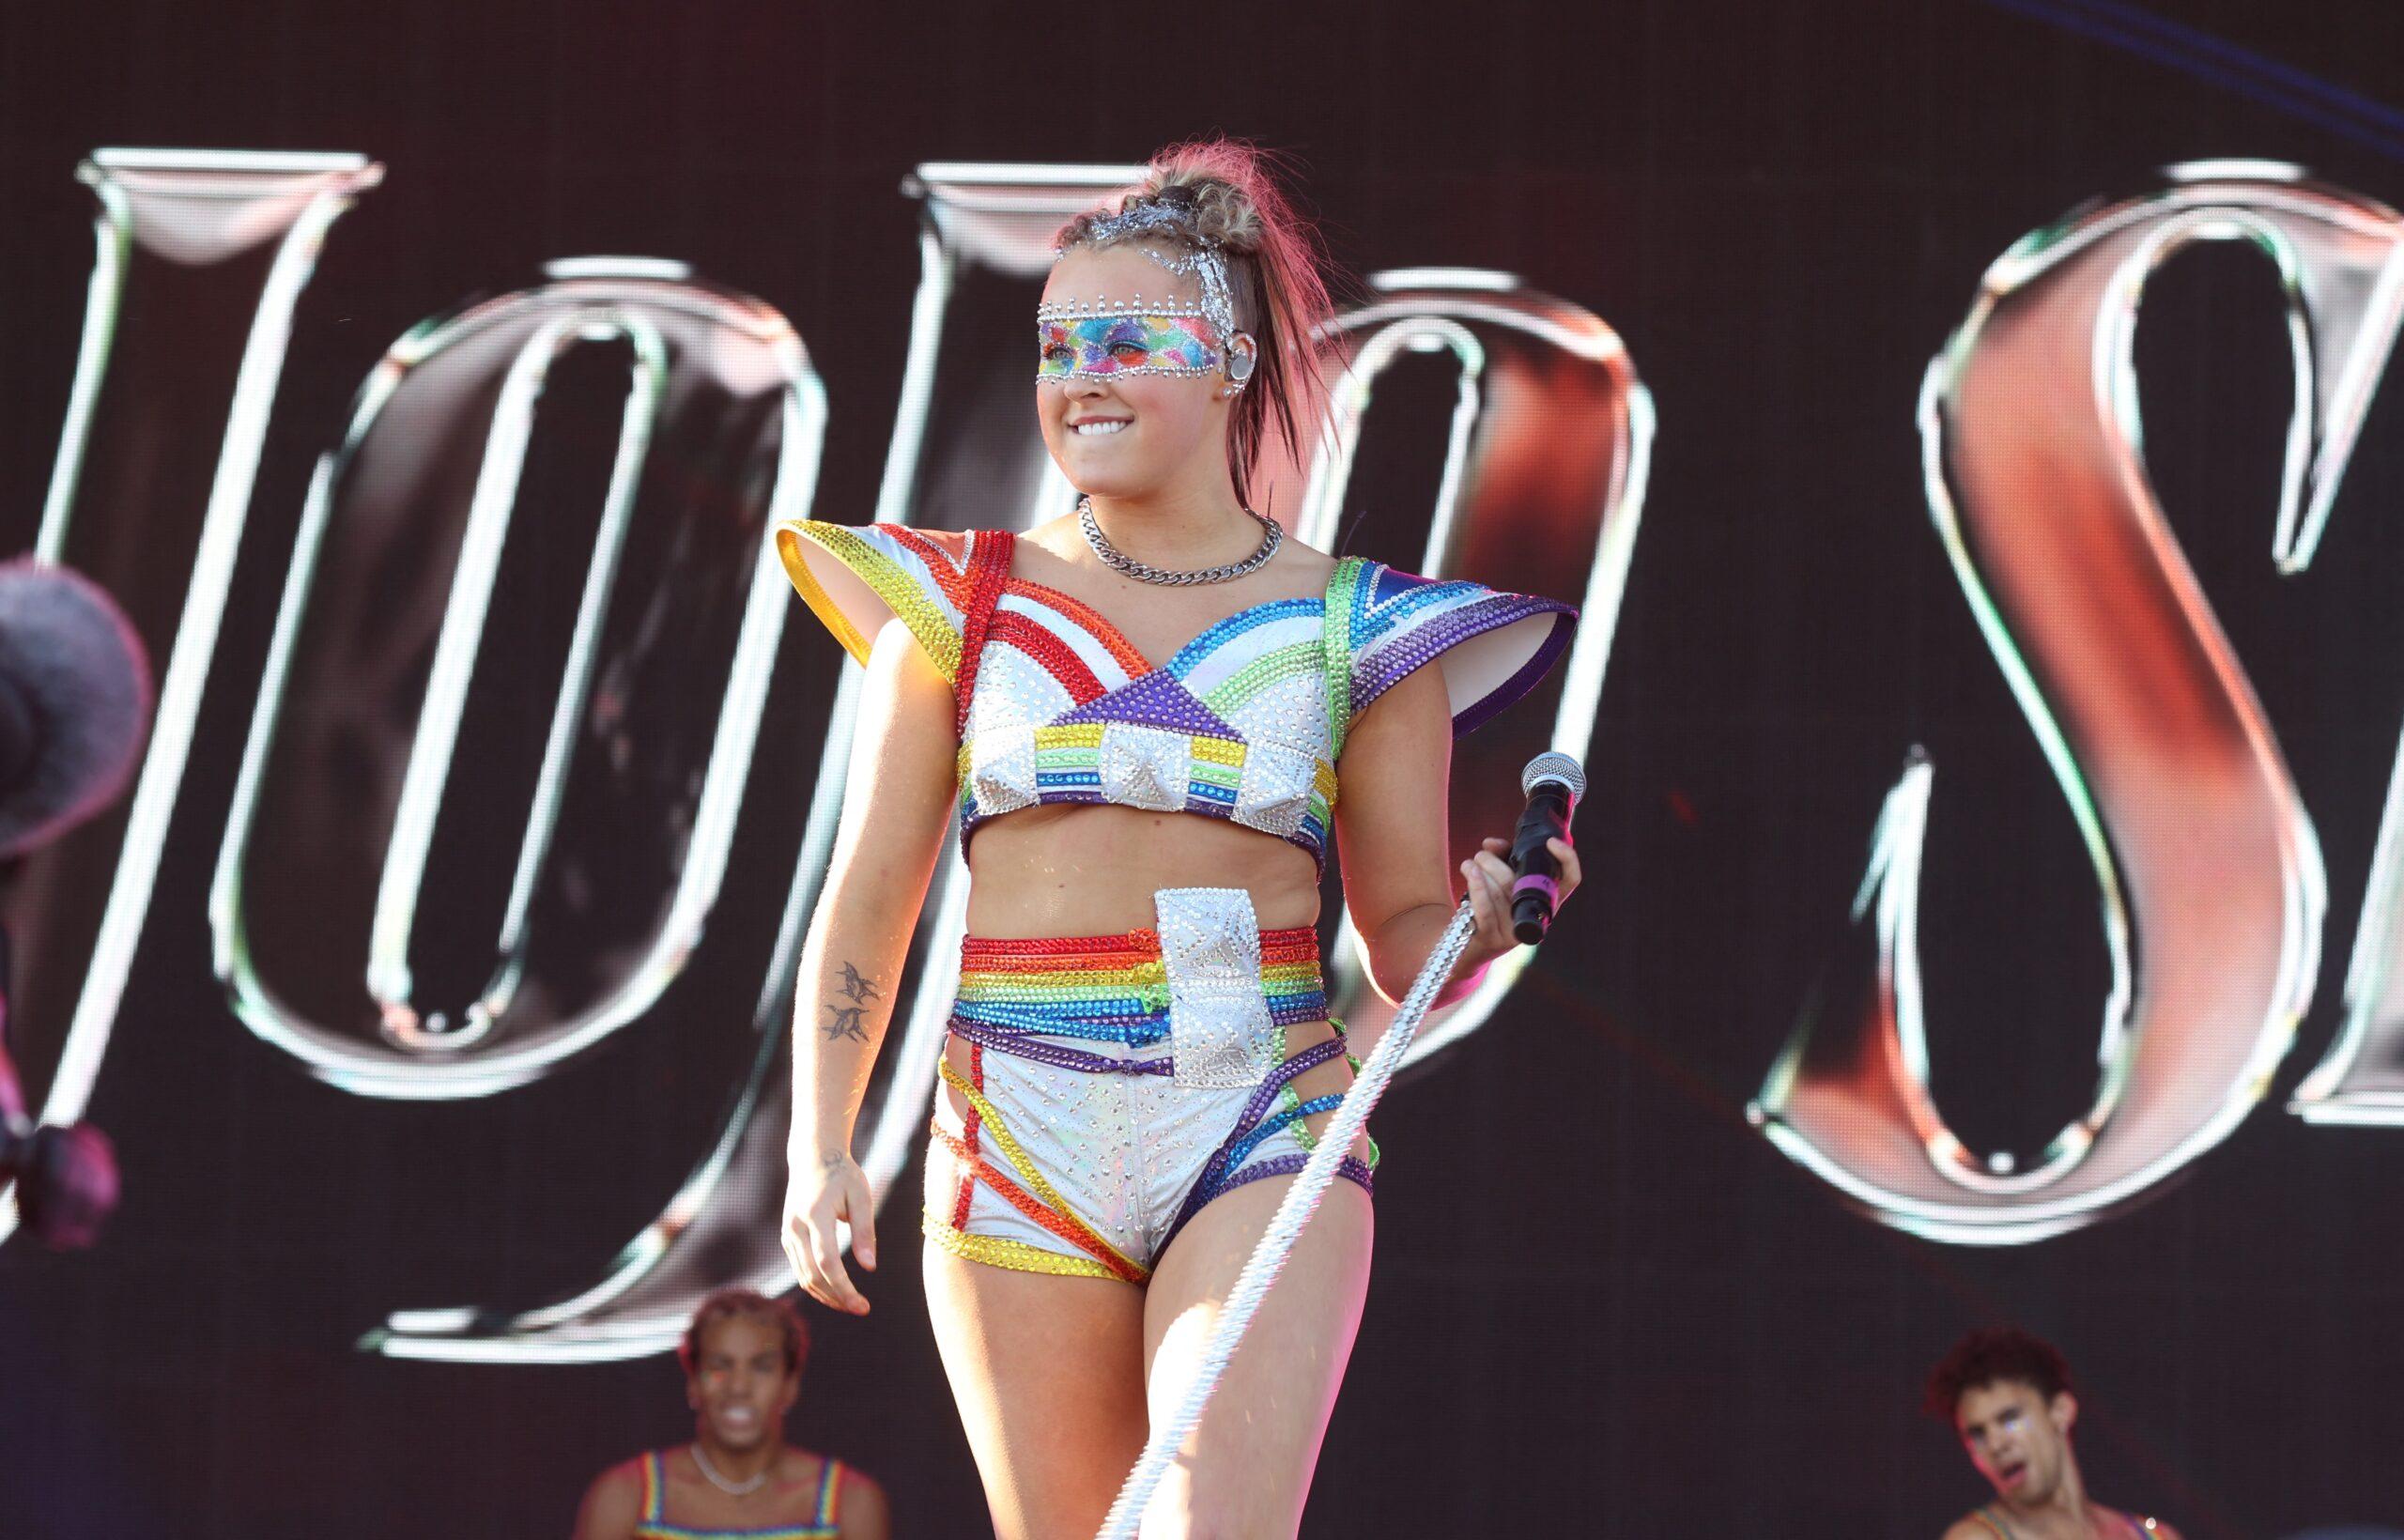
{"x": 1490, "y": 878}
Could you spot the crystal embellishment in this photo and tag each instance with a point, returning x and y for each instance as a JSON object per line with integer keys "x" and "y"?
{"x": 1275, "y": 790}
{"x": 1001, "y": 766}
{"x": 1144, "y": 766}
{"x": 1220, "y": 1035}
{"x": 1207, "y": 732}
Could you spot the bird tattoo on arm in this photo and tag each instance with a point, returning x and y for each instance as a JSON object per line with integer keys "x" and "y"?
{"x": 851, "y": 1021}
{"x": 856, "y": 987}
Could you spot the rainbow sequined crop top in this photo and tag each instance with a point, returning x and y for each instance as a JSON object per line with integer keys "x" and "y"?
{"x": 1245, "y": 722}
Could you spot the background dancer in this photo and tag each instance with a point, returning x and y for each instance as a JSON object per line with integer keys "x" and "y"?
{"x": 2008, "y": 1394}
{"x": 743, "y": 1358}
{"x": 1138, "y": 1063}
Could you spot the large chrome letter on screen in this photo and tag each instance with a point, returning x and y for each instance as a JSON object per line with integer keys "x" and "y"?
{"x": 370, "y": 727}
{"x": 150, "y": 495}
{"x": 2362, "y": 1079}
{"x": 2210, "y": 877}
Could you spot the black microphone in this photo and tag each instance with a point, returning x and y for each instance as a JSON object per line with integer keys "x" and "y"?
{"x": 1553, "y": 783}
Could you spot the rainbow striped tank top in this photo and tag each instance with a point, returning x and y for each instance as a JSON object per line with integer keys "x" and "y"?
{"x": 653, "y": 1524}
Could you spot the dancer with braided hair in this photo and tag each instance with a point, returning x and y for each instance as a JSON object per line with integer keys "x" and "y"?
{"x": 1142, "y": 714}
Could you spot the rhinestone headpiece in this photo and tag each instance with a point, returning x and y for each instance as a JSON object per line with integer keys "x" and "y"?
{"x": 1074, "y": 309}
{"x": 1201, "y": 261}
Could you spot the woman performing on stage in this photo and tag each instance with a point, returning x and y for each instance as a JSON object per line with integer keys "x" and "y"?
{"x": 1140, "y": 1055}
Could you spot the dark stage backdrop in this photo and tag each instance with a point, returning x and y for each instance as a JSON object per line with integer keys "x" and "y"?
{"x": 1605, "y": 1302}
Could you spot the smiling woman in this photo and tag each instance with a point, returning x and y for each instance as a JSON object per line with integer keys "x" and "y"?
{"x": 743, "y": 1357}
{"x": 1137, "y": 1065}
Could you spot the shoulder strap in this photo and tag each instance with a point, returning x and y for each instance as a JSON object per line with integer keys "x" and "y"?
{"x": 830, "y": 1485}
{"x": 654, "y": 1488}
{"x": 989, "y": 569}
{"x": 1339, "y": 604}
{"x": 1983, "y": 1517}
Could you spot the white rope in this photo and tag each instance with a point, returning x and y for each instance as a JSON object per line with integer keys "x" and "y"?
{"x": 1277, "y": 1241}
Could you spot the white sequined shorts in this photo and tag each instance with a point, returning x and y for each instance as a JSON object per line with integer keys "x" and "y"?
{"x": 1098, "y": 1091}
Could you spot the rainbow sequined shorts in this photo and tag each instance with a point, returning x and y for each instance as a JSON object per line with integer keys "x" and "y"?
{"x": 1113, "y": 1085}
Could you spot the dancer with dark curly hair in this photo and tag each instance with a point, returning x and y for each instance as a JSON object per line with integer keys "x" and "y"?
{"x": 2008, "y": 1394}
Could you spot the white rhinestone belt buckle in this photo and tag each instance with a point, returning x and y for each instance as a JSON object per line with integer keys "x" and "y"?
{"x": 1221, "y": 1036}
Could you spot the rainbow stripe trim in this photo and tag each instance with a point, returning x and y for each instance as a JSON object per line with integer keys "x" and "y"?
{"x": 916, "y": 578}
{"x": 1110, "y": 988}
{"x": 654, "y": 1523}
{"x": 1266, "y": 694}
{"x": 1068, "y": 768}
{"x": 1039, "y": 1000}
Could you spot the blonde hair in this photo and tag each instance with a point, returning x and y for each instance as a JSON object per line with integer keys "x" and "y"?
{"x": 1224, "y": 195}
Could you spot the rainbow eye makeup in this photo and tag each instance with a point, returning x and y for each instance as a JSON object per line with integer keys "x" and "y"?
{"x": 1100, "y": 341}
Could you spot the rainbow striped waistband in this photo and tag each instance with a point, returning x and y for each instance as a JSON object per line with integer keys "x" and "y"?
{"x": 1034, "y": 998}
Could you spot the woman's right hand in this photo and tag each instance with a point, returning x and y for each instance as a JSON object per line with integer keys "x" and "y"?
{"x": 821, "y": 1191}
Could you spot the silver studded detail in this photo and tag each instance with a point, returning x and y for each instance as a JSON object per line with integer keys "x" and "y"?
{"x": 1219, "y": 1029}
{"x": 1144, "y": 766}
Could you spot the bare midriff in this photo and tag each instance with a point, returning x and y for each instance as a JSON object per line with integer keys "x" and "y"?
{"x": 1089, "y": 870}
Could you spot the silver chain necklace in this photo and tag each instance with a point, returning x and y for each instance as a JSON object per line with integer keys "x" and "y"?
{"x": 1273, "y": 535}
{"x": 731, "y": 1488}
